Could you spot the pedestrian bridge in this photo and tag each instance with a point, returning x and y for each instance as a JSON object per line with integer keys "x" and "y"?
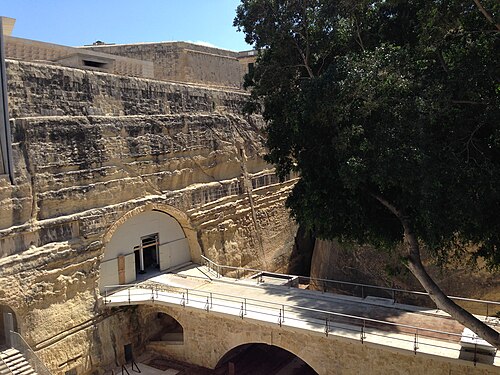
{"x": 218, "y": 309}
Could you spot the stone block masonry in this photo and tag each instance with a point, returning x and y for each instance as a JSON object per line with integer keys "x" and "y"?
{"x": 208, "y": 336}
{"x": 45, "y": 90}
{"x": 184, "y": 62}
{"x": 92, "y": 149}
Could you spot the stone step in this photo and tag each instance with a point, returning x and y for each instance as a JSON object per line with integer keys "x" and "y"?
{"x": 20, "y": 370}
{"x": 13, "y": 357}
{"x": 14, "y": 363}
{"x": 4, "y": 370}
{"x": 18, "y": 366}
{"x": 8, "y": 353}
{"x": 30, "y": 371}
{"x": 14, "y": 360}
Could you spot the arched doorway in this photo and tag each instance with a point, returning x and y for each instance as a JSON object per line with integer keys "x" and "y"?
{"x": 8, "y": 321}
{"x": 164, "y": 328}
{"x": 262, "y": 359}
{"x": 145, "y": 243}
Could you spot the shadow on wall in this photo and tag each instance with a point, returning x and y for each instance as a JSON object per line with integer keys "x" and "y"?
{"x": 302, "y": 253}
{"x": 262, "y": 359}
{"x": 165, "y": 328}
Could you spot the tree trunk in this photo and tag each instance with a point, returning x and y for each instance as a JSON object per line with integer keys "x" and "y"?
{"x": 441, "y": 300}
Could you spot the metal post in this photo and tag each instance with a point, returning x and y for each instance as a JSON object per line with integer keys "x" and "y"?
{"x": 415, "y": 342}
{"x": 363, "y": 336}
{"x": 211, "y": 301}
{"x": 327, "y": 326}
{"x": 245, "y": 302}
{"x": 8, "y": 323}
{"x": 187, "y": 295}
{"x": 141, "y": 258}
{"x": 6, "y": 161}
{"x": 283, "y": 315}
{"x": 128, "y": 295}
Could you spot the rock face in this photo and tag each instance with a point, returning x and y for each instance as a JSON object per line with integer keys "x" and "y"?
{"x": 365, "y": 265}
{"x": 93, "y": 149}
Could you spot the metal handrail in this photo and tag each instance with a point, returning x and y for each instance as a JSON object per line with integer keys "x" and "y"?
{"x": 284, "y": 312}
{"x": 18, "y": 342}
{"x": 258, "y": 303}
{"x": 392, "y": 291}
{"x": 5, "y": 367}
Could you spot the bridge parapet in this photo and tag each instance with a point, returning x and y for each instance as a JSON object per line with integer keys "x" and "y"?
{"x": 278, "y": 314}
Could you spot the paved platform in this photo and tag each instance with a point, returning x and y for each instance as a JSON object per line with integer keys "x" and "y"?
{"x": 398, "y": 325}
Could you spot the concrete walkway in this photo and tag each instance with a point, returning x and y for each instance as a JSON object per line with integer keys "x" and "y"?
{"x": 378, "y": 320}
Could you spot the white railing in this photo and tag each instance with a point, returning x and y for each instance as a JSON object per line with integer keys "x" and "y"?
{"x": 483, "y": 307}
{"x": 409, "y": 336}
{"x": 35, "y": 362}
{"x": 6, "y": 370}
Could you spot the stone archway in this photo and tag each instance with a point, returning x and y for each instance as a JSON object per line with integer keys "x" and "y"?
{"x": 164, "y": 328}
{"x": 6, "y": 323}
{"x": 147, "y": 239}
{"x": 260, "y": 358}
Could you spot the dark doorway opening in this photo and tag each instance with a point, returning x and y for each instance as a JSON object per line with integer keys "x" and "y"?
{"x": 262, "y": 359}
{"x": 150, "y": 251}
{"x": 129, "y": 355}
{"x": 6, "y": 324}
{"x": 147, "y": 257}
{"x": 137, "y": 261}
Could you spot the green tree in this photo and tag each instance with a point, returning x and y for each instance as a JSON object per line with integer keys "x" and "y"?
{"x": 388, "y": 110}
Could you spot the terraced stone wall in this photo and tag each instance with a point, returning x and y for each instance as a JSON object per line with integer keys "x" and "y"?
{"x": 90, "y": 149}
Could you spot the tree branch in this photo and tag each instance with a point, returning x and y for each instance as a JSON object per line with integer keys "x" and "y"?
{"x": 443, "y": 63}
{"x": 486, "y": 14}
{"x": 467, "y": 102}
{"x": 358, "y": 34}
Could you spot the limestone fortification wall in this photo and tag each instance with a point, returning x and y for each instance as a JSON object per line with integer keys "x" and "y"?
{"x": 184, "y": 62}
{"x": 364, "y": 264}
{"x": 91, "y": 148}
{"x": 33, "y": 50}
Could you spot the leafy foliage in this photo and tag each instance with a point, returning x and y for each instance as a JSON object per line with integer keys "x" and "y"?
{"x": 392, "y": 99}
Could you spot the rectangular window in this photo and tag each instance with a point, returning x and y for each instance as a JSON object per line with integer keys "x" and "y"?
{"x": 94, "y": 64}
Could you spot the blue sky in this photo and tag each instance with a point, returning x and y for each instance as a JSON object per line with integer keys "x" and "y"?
{"x": 79, "y": 22}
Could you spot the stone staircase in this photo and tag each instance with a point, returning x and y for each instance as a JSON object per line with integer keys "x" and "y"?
{"x": 14, "y": 363}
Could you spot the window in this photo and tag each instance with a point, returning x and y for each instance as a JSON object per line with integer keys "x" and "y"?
{"x": 94, "y": 64}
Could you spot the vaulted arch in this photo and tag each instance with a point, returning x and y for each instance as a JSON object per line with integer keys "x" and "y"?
{"x": 263, "y": 359}
{"x": 147, "y": 239}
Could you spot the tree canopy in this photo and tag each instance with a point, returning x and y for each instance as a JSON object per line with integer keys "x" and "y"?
{"x": 389, "y": 110}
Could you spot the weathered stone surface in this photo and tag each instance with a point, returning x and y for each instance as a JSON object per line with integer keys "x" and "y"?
{"x": 90, "y": 150}
{"x": 45, "y": 90}
{"x": 365, "y": 265}
{"x": 326, "y": 355}
{"x": 185, "y": 62}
